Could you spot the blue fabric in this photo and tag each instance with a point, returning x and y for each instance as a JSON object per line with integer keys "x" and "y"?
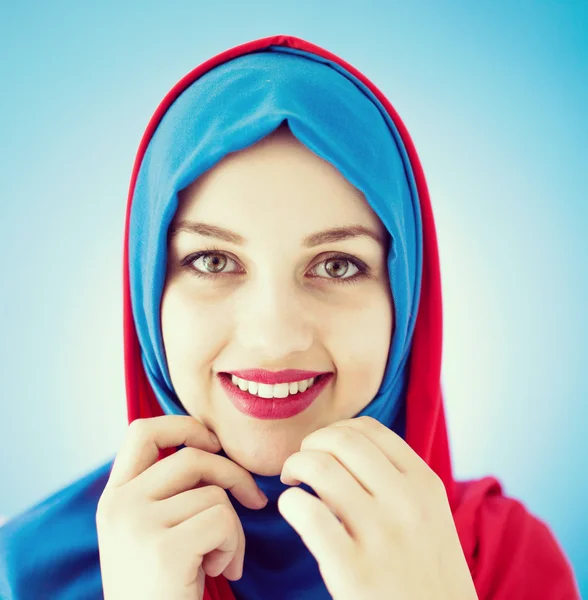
{"x": 51, "y": 550}
{"x": 340, "y": 120}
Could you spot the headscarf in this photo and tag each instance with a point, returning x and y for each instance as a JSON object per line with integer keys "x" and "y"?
{"x": 226, "y": 110}
{"x": 51, "y": 549}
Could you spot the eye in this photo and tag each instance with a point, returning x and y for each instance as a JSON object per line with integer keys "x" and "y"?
{"x": 337, "y": 267}
{"x": 210, "y": 263}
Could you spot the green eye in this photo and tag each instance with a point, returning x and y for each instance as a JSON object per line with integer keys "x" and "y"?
{"x": 214, "y": 262}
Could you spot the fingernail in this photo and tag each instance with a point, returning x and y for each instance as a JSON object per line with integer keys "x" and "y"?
{"x": 262, "y": 496}
{"x": 214, "y": 439}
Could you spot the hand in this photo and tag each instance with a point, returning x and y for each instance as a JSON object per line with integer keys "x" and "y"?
{"x": 382, "y": 527}
{"x": 159, "y": 534}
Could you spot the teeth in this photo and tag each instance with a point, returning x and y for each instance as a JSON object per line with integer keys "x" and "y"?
{"x": 279, "y": 390}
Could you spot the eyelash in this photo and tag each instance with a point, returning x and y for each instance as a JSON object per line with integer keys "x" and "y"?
{"x": 362, "y": 269}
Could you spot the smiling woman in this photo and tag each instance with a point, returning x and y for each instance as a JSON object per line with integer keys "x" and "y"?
{"x": 283, "y": 325}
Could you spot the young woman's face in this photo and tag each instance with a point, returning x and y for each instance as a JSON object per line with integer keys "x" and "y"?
{"x": 268, "y": 299}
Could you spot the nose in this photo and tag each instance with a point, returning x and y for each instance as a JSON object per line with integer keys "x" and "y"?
{"x": 272, "y": 322}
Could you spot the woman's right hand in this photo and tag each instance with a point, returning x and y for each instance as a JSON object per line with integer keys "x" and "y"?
{"x": 159, "y": 534}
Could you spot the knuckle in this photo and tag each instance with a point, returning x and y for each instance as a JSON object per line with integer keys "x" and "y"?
{"x": 438, "y": 485}
{"x": 344, "y": 436}
{"x": 432, "y": 485}
{"x": 139, "y": 429}
{"x": 189, "y": 454}
{"x": 225, "y": 513}
{"x": 226, "y": 518}
{"x": 107, "y": 508}
{"x": 115, "y": 510}
{"x": 217, "y": 494}
{"x": 121, "y": 508}
{"x": 321, "y": 464}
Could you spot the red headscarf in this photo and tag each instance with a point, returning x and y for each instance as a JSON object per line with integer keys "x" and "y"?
{"x": 510, "y": 553}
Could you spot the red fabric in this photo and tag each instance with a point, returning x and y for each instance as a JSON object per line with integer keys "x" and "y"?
{"x": 510, "y": 553}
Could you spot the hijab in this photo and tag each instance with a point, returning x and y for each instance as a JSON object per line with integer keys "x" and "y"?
{"x": 51, "y": 549}
{"x": 226, "y": 110}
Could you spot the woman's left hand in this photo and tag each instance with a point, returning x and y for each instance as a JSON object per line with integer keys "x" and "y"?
{"x": 382, "y": 527}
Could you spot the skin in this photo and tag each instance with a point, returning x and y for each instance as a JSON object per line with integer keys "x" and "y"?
{"x": 274, "y": 305}
{"x": 382, "y": 526}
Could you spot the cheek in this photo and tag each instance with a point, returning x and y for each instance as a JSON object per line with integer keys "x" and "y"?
{"x": 360, "y": 347}
{"x": 192, "y": 337}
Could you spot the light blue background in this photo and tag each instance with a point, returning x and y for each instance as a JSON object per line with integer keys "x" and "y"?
{"x": 495, "y": 96}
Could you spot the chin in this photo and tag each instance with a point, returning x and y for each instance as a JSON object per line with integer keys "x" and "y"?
{"x": 259, "y": 459}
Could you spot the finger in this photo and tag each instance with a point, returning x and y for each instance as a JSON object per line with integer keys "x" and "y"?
{"x": 398, "y": 452}
{"x": 321, "y": 532}
{"x": 215, "y": 529}
{"x": 190, "y": 467}
{"x": 214, "y": 563}
{"x": 359, "y": 455}
{"x": 173, "y": 511}
{"x": 145, "y": 438}
{"x": 335, "y": 485}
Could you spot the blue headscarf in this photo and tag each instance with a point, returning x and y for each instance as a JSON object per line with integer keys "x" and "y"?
{"x": 228, "y": 109}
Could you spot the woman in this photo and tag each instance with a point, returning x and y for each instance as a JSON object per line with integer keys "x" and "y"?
{"x": 282, "y": 311}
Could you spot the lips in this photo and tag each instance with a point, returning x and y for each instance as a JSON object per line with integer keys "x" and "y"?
{"x": 273, "y": 408}
{"x": 274, "y": 377}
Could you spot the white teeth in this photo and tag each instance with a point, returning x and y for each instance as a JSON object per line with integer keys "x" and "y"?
{"x": 265, "y": 391}
{"x": 279, "y": 390}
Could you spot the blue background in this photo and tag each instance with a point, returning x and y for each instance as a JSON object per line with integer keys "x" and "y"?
{"x": 494, "y": 95}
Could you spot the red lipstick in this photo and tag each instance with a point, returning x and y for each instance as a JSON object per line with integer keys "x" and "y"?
{"x": 273, "y": 377}
{"x": 274, "y": 408}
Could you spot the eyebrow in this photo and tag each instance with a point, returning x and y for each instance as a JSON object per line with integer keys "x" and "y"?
{"x": 335, "y": 234}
